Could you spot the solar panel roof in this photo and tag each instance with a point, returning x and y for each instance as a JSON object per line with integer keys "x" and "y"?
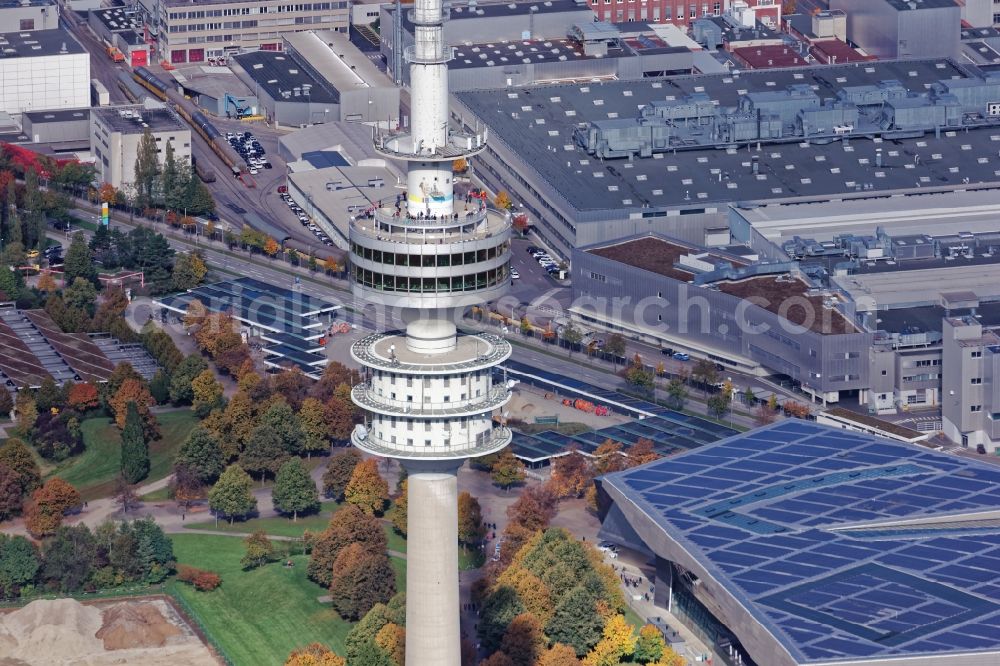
{"x": 800, "y": 523}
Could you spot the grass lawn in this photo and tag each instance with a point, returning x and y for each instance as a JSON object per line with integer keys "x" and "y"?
{"x": 470, "y": 559}
{"x": 633, "y": 618}
{"x": 94, "y": 471}
{"x": 277, "y": 526}
{"x": 161, "y": 495}
{"x": 259, "y": 616}
{"x": 394, "y": 540}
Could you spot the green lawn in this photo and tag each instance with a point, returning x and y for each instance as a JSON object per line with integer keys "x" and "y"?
{"x": 470, "y": 559}
{"x": 277, "y": 526}
{"x": 160, "y": 495}
{"x": 259, "y": 616}
{"x": 394, "y": 540}
{"x": 94, "y": 471}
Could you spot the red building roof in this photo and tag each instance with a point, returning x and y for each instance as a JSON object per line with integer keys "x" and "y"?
{"x": 836, "y": 52}
{"x": 763, "y": 57}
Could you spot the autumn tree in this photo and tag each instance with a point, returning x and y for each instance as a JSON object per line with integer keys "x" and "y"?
{"x": 498, "y": 658}
{"x": 48, "y": 505}
{"x": 206, "y": 392}
{"x": 571, "y": 475}
{"x": 11, "y": 494}
{"x": 534, "y": 509}
{"x": 315, "y": 654}
{"x": 83, "y": 397}
{"x": 609, "y": 457}
{"x": 361, "y": 578}
{"x": 259, "y": 551}
{"x": 642, "y": 452}
{"x": 134, "y": 391}
{"x": 348, "y": 525}
{"x": 271, "y": 247}
{"x": 392, "y": 639}
{"x": 16, "y": 455}
{"x": 135, "y": 449}
{"x": 367, "y": 489}
{"x": 125, "y": 495}
{"x": 524, "y": 641}
{"x": 470, "y": 520}
{"x": 559, "y": 654}
{"x": 231, "y": 495}
{"x": 617, "y": 642}
{"x": 315, "y": 428}
{"x": 6, "y": 403}
{"x": 338, "y": 472}
{"x": 294, "y": 490}
{"x": 201, "y": 453}
{"x": 507, "y": 470}
{"x": 502, "y": 200}
{"x": 186, "y": 486}
{"x": 398, "y": 514}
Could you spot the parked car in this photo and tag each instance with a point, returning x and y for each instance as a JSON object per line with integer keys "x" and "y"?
{"x": 980, "y": 449}
{"x": 667, "y": 351}
{"x": 514, "y": 275}
{"x": 681, "y": 356}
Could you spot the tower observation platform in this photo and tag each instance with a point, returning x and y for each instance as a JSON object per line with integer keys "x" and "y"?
{"x": 429, "y": 391}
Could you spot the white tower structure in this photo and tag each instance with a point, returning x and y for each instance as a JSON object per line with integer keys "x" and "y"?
{"x": 428, "y": 391}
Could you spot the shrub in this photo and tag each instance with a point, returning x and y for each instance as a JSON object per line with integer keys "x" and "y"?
{"x": 204, "y": 581}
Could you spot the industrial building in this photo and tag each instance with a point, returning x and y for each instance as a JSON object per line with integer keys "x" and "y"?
{"x": 318, "y": 77}
{"x": 29, "y": 15}
{"x": 596, "y": 161}
{"x": 971, "y": 373}
{"x": 121, "y": 31}
{"x": 189, "y": 31}
{"x": 903, "y": 28}
{"x": 801, "y": 544}
{"x": 116, "y": 132}
{"x": 43, "y": 70}
{"x": 681, "y": 13}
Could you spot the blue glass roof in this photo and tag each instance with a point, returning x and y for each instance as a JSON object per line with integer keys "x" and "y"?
{"x": 791, "y": 520}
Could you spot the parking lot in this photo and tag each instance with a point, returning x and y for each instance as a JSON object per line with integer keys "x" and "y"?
{"x": 304, "y": 218}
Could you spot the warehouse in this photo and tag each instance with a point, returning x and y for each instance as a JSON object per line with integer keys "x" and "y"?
{"x": 43, "y": 70}
{"x": 117, "y": 130}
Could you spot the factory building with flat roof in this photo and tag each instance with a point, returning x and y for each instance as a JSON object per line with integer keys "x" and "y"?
{"x": 597, "y": 161}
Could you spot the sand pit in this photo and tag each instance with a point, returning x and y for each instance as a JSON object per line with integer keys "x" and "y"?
{"x": 64, "y": 631}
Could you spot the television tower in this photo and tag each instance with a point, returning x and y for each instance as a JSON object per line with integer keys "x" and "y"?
{"x": 429, "y": 391}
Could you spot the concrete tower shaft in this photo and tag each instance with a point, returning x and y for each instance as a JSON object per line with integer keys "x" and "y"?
{"x": 430, "y": 393}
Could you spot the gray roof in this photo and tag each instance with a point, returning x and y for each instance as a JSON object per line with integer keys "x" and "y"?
{"x": 499, "y": 9}
{"x": 57, "y": 116}
{"x": 38, "y": 43}
{"x": 836, "y": 545}
{"x": 279, "y": 73}
{"x": 523, "y": 52}
{"x": 134, "y": 118}
{"x": 538, "y": 124}
{"x": 913, "y": 5}
{"x": 115, "y": 19}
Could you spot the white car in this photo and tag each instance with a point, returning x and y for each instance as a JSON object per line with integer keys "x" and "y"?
{"x": 253, "y": 171}
{"x": 514, "y": 275}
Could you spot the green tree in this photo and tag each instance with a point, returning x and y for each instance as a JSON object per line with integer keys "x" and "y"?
{"x": 201, "y": 453}
{"x": 676, "y": 393}
{"x": 159, "y": 387}
{"x": 14, "y": 229}
{"x": 498, "y": 611}
{"x": 572, "y": 336}
{"x": 260, "y": 550}
{"x": 81, "y": 294}
{"x": 11, "y": 493}
{"x": 507, "y": 470}
{"x": 264, "y": 453}
{"x": 231, "y": 495}
{"x": 181, "y": 391}
{"x": 282, "y": 420}
{"x": 170, "y": 182}
{"x": 575, "y": 621}
{"x": 147, "y": 171}
{"x": 19, "y": 564}
{"x": 48, "y": 395}
{"x": 198, "y": 198}
{"x": 206, "y": 393}
{"x": 154, "y": 550}
{"x": 294, "y": 490}
{"x": 189, "y": 271}
{"x": 718, "y": 405}
{"x": 638, "y": 376}
{"x": 361, "y": 578}
{"x": 615, "y": 346}
{"x": 68, "y": 558}
{"x": 78, "y": 262}
{"x": 649, "y": 646}
{"x": 705, "y": 372}
{"x": 470, "y": 520}
{"x": 135, "y": 450}
{"x": 34, "y": 211}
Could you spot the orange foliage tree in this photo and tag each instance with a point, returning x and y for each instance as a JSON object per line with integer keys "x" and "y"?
{"x": 367, "y": 490}
{"x": 315, "y": 654}
{"x": 641, "y": 453}
{"x": 571, "y": 475}
{"x": 83, "y": 397}
{"x": 271, "y": 247}
{"x": 48, "y": 504}
{"x": 131, "y": 390}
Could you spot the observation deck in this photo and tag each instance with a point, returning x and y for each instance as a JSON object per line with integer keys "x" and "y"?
{"x": 402, "y": 146}
{"x": 388, "y": 352}
{"x": 393, "y": 225}
{"x": 364, "y": 396}
{"x": 499, "y": 438}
